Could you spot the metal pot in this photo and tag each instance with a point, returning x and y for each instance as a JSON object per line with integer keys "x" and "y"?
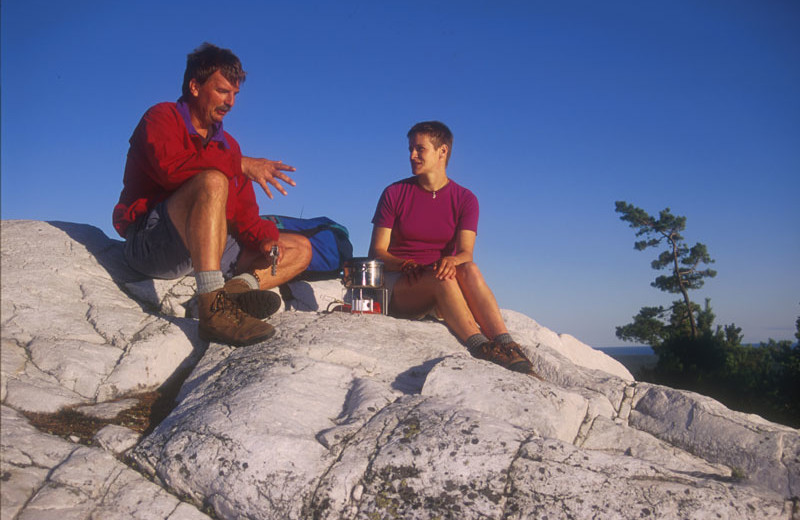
{"x": 363, "y": 272}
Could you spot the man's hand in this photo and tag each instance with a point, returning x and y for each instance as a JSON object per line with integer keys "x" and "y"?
{"x": 266, "y": 246}
{"x": 265, "y": 172}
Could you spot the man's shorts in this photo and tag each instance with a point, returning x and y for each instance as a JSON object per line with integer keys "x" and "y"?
{"x": 154, "y": 248}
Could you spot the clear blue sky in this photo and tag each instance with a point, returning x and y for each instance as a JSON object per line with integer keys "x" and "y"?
{"x": 558, "y": 110}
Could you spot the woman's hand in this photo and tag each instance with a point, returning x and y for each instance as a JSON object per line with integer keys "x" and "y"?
{"x": 445, "y": 268}
{"x": 412, "y": 270}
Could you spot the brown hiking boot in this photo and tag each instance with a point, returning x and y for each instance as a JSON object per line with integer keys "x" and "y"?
{"x": 255, "y": 302}
{"x": 222, "y": 321}
{"x": 508, "y": 356}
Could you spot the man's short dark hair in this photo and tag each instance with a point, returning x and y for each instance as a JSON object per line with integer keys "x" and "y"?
{"x": 206, "y": 60}
{"x": 437, "y": 132}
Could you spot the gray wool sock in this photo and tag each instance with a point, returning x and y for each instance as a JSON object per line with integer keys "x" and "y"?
{"x": 249, "y": 279}
{"x": 504, "y": 338}
{"x": 208, "y": 281}
{"x": 475, "y": 341}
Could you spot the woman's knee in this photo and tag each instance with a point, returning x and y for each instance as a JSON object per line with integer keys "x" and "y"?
{"x": 445, "y": 289}
{"x": 468, "y": 270}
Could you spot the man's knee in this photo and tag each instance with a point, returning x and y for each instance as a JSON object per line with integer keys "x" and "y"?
{"x": 305, "y": 252}
{"x": 207, "y": 187}
{"x": 211, "y": 182}
{"x": 299, "y": 247}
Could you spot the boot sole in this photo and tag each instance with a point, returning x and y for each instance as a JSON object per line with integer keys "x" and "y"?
{"x": 205, "y": 336}
{"x": 258, "y": 304}
{"x": 521, "y": 366}
{"x": 524, "y": 367}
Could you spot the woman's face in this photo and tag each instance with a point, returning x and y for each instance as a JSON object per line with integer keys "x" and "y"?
{"x": 424, "y": 157}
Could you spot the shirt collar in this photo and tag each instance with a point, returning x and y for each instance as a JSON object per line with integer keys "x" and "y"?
{"x": 216, "y": 133}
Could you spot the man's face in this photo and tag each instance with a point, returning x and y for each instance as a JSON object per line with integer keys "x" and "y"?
{"x": 424, "y": 157}
{"x": 211, "y": 100}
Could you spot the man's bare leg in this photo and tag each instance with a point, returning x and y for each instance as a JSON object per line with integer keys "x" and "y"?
{"x": 197, "y": 210}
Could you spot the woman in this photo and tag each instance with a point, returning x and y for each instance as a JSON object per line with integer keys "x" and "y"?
{"x": 424, "y": 232}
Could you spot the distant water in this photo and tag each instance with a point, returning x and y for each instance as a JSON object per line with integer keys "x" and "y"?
{"x": 627, "y": 351}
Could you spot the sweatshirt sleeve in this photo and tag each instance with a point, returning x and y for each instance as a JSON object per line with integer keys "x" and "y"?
{"x": 172, "y": 156}
{"x": 250, "y": 228}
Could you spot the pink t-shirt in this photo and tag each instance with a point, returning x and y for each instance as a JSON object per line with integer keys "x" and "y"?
{"x": 424, "y": 228}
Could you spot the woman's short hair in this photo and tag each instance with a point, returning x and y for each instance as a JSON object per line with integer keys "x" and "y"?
{"x": 206, "y": 60}
{"x": 437, "y": 132}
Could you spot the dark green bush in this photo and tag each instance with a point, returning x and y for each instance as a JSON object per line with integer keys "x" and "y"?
{"x": 762, "y": 379}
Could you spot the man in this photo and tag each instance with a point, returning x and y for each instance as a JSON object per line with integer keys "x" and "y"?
{"x": 188, "y": 204}
{"x": 424, "y": 230}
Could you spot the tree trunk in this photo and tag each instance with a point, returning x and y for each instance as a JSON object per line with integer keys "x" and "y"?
{"x": 682, "y": 288}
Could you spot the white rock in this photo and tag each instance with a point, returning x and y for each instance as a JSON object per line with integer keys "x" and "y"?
{"x": 18, "y": 486}
{"x": 108, "y": 410}
{"x": 316, "y": 296}
{"x": 168, "y": 297}
{"x": 70, "y": 334}
{"x": 528, "y": 332}
{"x": 556, "y": 480}
{"x": 523, "y": 401}
{"x": 418, "y": 429}
{"x": 77, "y": 365}
{"x": 767, "y": 454}
{"x": 26, "y": 457}
{"x": 116, "y": 439}
{"x": 91, "y": 483}
{"x": 344, "y": 416}
{"x": 46, "y": 477}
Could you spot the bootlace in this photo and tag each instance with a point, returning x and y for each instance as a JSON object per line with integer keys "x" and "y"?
{"x": 492, "y": 350}
{"x": 222, "y": 303}
{"x": 503, "y": 350}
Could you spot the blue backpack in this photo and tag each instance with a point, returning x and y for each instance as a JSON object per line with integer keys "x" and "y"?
{"x": 330, "y": 244}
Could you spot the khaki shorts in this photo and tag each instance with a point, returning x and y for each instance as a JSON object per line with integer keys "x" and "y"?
{"x": 154, "y": 248}
{"x": 389, "y": 281}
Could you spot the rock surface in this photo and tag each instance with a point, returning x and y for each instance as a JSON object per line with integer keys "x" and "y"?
{"x": 343, "y": 416}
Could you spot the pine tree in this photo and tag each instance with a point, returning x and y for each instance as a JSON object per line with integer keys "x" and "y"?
{"x": 682, "y": 261}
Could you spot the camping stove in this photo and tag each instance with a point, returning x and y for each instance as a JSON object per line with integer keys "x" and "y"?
{"x": 366, "y": 300}
{"x": 366, "y": 294}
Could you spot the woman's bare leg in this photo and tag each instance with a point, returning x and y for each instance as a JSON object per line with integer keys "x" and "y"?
{"x": 480, "y": 299}
{"x": 412, "y": 298}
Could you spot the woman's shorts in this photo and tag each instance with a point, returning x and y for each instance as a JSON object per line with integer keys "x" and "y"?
{"x": 389, "y": 279}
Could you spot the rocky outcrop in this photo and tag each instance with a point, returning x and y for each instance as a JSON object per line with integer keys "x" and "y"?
{"x": 344, "y": 416}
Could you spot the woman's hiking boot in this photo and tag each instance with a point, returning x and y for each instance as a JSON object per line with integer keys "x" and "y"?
{"x": 222, "y": 321}
{"x": 257, "y": 303}
{"x": 507, "y": 355}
